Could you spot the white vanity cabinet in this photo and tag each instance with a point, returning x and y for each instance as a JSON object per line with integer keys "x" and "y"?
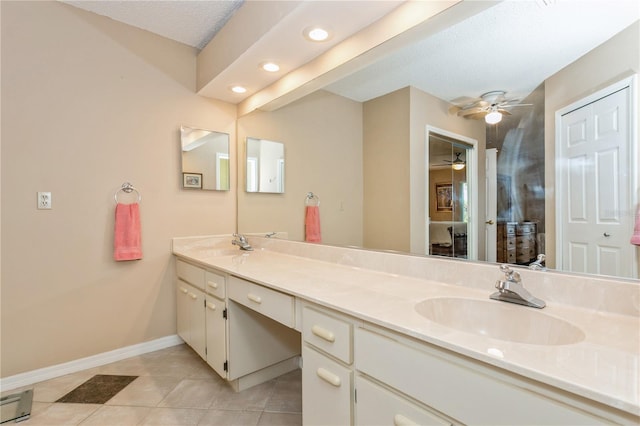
{"x": 327, "y": 373}
{"x": 446, "y": 386}
{"x": 190, "y": 306}
{"x": 216, "y": 322}
{"x": 201, "y": 316}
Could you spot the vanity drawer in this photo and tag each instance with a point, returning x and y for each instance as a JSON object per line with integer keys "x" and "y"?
{"x": 379, "y": 406}
{"x": 215, "y": 284}
{"x": 191, "y": 274}
{"x": 270, "y": 303}
{"x": 329, "y": 334}
{"x": 443, "y": 381}
{"x": 327, "y": 396}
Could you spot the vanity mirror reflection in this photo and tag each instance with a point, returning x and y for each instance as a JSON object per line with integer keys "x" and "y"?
{"x": 205, "y": 159}
{"x": 369, "y": 166}
{"x": 264, "y": 167}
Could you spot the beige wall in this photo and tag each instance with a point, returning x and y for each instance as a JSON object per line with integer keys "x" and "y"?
{"x": 394, "y": 162}
{"x": 610, "y": 62}
{"x": 322, "y": 136}
{"x": 87, "y": 104}
{"x": 386, "y": 151}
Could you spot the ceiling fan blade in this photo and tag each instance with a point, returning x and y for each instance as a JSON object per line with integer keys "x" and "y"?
{"x": 471, "y": 111}
{"x": 477, "y": 116}
{"x": 514, "y": 105}
{"x": 504, "y": 111}
{"x": 453, "y": 109}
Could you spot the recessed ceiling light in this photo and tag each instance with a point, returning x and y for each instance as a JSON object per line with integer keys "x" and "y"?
{"x": 316, "y": 34}
{"x": 238, "y": 89}
{"x": 270, "y": 67}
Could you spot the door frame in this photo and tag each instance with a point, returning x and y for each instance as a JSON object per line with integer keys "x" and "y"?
{"x": 472, "y": 181}
{"x": 634, "y": 187}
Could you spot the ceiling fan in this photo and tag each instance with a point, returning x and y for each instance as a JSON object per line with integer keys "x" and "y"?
{"x": 457, "y": 164}
{"x": 491, "y": 106}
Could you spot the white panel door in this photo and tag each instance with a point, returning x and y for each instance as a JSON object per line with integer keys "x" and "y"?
{"x": 596, "y": 182}
{"x": 216, "y": 335}
{"x": 491, "y": 214}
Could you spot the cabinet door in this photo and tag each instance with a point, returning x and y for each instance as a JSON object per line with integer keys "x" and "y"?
{"x": 183, "y": 314}
{"x": 326, "y": 390}
{"x": 216, "y": 335}
{"x": 197, "y": 322}
{"x": 378, "y": 406}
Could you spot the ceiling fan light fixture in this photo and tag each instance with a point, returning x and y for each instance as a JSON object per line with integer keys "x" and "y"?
{"x": 493, "y": 117}
{"x": 457, "y": 166}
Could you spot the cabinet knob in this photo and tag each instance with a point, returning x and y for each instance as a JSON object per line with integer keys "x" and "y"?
{"x": 606, "y": 234}
{"x": 329, "y": 377}
{"x": 254, "y": 298}
{"x": 193, "y": 296}
{"x": 184, "y": 290}
{"x": 212, "y": 284}
{"x": 400, "y": 420}
{"x": 323, "y": 333}
{"x": 211, "y": 306}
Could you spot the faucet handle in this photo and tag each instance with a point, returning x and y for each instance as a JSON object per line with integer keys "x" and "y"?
{"x": 509, "y": 273}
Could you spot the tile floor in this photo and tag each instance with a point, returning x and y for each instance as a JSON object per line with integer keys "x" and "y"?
{"x": 175, "y": 387}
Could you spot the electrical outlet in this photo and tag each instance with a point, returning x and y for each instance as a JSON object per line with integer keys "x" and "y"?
{"x": 44, "y": 200}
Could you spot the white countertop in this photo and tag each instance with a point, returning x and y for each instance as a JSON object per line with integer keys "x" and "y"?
{"x": 604, "y": 367}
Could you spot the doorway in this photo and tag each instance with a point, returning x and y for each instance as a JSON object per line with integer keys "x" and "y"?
{"x": 597, "y": 180}
{"x": 451, "y": 194}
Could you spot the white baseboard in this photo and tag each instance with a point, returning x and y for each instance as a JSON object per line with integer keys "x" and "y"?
{"x": 35, "y": 376}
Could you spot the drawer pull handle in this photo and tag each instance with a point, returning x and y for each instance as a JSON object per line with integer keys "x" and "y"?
{"x": 193, "y": 296}
{"x": 211, "y": 306}
{"x": 329, "y": 377}
{"x": 400, "y": 420}
{"x": 323, "y": 333}
{"x": 254, "y": 298}
{"x": 184, "y": 290}
{"x": 212, "y": 284}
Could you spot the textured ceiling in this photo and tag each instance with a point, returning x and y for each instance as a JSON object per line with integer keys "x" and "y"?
{"x": 513, "y": 46}
{"x": 192, "y": 22}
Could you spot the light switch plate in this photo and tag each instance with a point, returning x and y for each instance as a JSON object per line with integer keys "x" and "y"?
{"x": 44, "y": 200}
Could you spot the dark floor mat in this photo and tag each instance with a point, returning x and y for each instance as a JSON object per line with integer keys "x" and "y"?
{"x": 98, "y": 389}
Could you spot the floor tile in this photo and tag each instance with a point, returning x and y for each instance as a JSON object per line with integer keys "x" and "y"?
{"x": 287, "y": 394}
{"x": 62, "y": 414}
{"x": 98, "y": 389}
{"x": 192, "y": 393}
{"x": 120, "y": 416}
{"x": 280, "y": 419}
{"x": 173, "y": 417}
{"x": 145, "y": 391}
{"x": 252, "y": 399}
{"x": 230, "y": 418}
{"x": 52, "y": 390}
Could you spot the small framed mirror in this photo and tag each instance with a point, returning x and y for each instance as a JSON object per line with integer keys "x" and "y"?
{"x": 205, "y": 159}
{"x": 265, "y": 166}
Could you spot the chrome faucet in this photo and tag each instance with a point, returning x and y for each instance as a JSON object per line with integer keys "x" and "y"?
{"x": 510, "y": 289}
{"x": 241, "y": 241}
{"x": 538, "y": 264}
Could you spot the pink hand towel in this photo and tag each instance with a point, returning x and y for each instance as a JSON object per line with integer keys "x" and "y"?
{"x": 312, "y": 224}
{"x": 635, "y": 238}
{"x": 126, "y": 239}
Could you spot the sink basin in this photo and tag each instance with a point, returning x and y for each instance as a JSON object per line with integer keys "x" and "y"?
{"x": 500, "y": 320}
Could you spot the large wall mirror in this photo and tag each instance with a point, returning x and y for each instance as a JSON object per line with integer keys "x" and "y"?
{"x": 205, "y": 159}
{"x": 367, "y": 158}
{"x": 264, "y": 166}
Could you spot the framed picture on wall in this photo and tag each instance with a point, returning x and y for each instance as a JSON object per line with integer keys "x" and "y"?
{"x": 444, "y": 197}
{"x": 192, "y": 180}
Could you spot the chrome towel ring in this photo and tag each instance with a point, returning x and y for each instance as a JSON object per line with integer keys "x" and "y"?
{"x": 128, "y": 188}
{"x": 311, "y": 199}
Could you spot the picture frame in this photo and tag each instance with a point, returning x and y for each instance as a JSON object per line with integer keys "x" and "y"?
{"x": 192, "y": 180}
{"x": 444, "y": 197}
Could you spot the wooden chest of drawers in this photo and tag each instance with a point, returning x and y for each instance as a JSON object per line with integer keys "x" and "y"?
{"x": 516, "y": 242}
